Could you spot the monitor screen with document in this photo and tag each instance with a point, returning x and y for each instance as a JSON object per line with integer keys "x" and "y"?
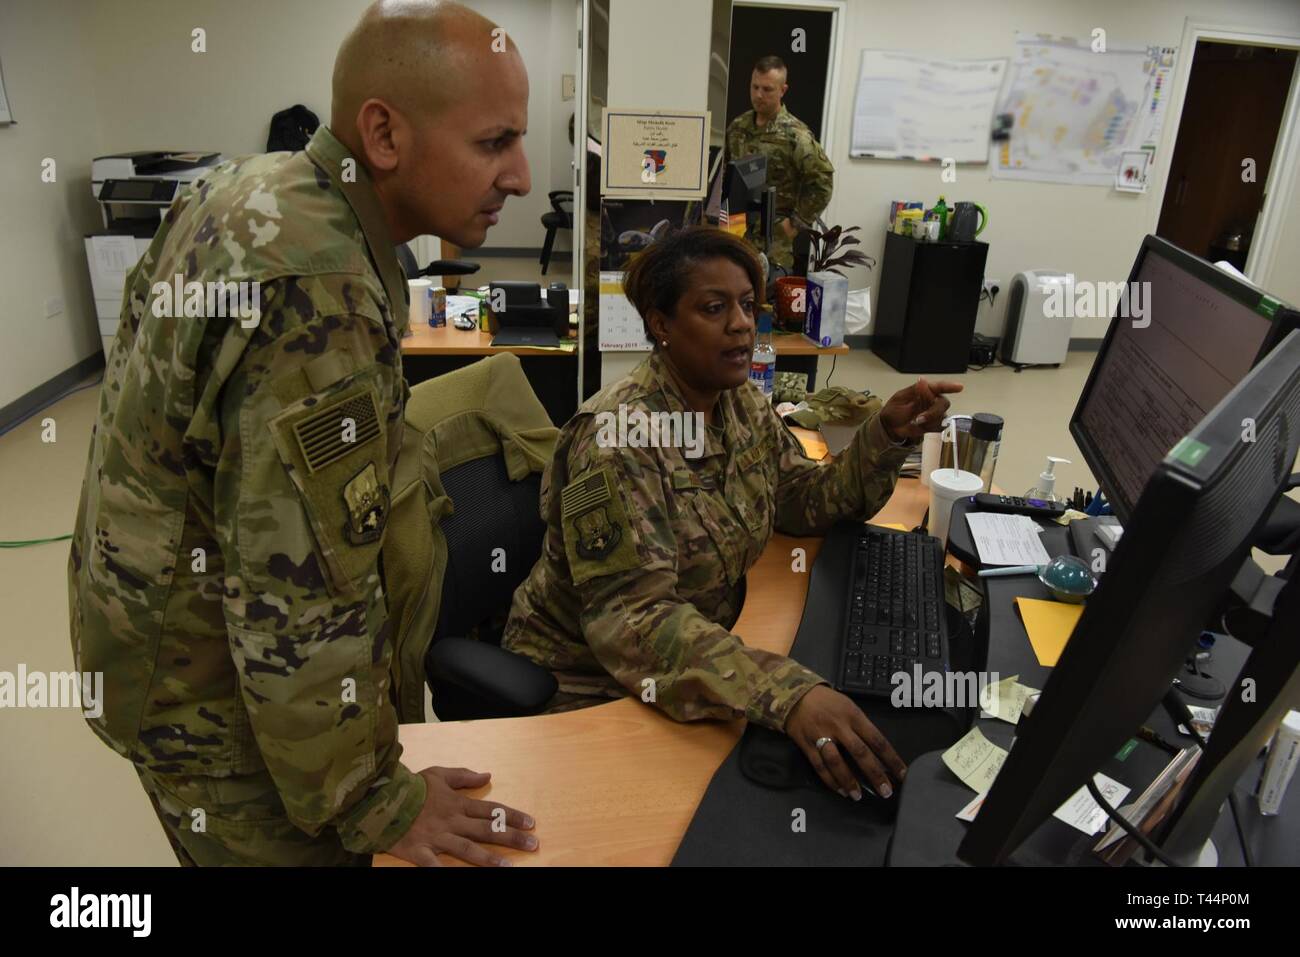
{"x": 1188, "y": 334}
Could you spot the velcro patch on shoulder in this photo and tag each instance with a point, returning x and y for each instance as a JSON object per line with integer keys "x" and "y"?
{"x": 598, "y": 538}
{"x": 584, "y": 493}
{"x": 337, "y": 430}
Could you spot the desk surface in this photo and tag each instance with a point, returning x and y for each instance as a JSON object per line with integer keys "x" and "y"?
{"x": 618, "y": 783}
{"x": 426, "y": 340}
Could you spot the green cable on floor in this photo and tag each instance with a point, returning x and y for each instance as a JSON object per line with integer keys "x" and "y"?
{"x": 35, "y": 541}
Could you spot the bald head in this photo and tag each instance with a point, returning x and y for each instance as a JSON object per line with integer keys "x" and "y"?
{"x": 416, "y": 55}
{"x": 432, "y": 99}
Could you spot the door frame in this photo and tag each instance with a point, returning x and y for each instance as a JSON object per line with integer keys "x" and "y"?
{"x": 1283, "y": 165}
{"x": 837, "y": 10}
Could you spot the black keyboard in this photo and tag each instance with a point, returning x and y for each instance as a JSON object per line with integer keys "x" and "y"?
{"x": 895, "y": 617}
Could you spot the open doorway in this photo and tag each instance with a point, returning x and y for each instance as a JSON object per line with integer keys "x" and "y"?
{"x": 803, "y": 34}
{"x": 759, "y": 31}
{"x": 1232, "y": 115}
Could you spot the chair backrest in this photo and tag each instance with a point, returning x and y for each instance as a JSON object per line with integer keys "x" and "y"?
{"x": 494, "y": 537}
{"x": 467, "y": 482}
{"x": 407, "y": 259}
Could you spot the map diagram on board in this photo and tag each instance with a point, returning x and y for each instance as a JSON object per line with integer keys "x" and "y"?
{"x": 1076, "y": 111}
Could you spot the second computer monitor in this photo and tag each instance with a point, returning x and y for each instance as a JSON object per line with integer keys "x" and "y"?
{"x": 1194, "y": 525}
{"x": 1186, "y": 333}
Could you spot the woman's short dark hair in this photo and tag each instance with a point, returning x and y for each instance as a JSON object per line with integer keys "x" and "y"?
{"x": 656, "y": 279}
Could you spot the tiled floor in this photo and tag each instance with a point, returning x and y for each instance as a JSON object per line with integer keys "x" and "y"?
{"x": 66, "y": 799}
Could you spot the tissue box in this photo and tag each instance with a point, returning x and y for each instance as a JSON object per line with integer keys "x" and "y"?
{"x": 827, "y": 303}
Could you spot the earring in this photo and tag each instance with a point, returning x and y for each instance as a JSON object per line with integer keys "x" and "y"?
{"x": 664, "y": 343}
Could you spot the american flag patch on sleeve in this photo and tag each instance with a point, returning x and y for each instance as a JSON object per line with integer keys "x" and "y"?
{"x": 585, "y": 493}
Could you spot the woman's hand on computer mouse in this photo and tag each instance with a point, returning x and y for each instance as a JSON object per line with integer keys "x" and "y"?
{"x": 825, "y": 713}
{"x": 459, "y": 826}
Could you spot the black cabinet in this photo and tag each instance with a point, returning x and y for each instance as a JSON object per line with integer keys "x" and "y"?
{"x": 929, "y": 294}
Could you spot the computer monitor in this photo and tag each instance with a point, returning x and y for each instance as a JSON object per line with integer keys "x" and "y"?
{"x": 743, "y": 183}
{"x": 1157, "y": 375}
{"x": 1187, "y": 538}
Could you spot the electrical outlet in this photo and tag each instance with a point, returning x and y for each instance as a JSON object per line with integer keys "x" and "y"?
{"x": 53, "y": 306}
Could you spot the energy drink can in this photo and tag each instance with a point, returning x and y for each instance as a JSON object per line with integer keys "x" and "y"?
{"x": 438, "y": 312}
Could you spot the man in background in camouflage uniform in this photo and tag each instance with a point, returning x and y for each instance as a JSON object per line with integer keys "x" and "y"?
{"x": 225, "y": 572}
{"x": 796, "y": 163}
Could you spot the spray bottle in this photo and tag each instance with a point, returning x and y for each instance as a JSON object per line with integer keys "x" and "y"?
{"x": 1045, "y": 490}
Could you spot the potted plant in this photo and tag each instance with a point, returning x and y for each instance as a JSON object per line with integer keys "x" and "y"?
{"x": 827, "y": 253}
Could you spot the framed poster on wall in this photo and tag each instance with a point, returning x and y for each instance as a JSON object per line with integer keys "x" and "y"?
{"x": 655, "y": 154}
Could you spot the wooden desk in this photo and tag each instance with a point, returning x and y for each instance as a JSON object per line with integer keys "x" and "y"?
{"x": 617, "y": 784}
{"x": 793, "y": 344}
{"x": 794, "y": 353}
{"x": 431, "y": 351}
{"x": 427, "y": 340}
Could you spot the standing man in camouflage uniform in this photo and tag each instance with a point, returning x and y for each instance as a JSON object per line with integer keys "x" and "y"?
{"x": 796, "y": 163}
{"x": 225, "y": 572}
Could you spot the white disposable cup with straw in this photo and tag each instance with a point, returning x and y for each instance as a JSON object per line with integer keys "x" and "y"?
{"x": 948, "y": 485}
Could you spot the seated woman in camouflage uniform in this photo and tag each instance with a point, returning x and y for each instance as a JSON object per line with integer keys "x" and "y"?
{"x": 648, "y": 541}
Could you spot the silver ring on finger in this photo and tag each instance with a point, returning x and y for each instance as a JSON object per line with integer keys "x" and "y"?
{"x": 822, "y": 742}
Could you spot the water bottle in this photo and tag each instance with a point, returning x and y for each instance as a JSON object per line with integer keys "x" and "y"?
{"x": 763, "y": 365}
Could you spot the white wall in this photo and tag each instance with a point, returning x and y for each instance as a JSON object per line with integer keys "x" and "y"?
{"x": 154, "y": 92}
{"x": 563, "y": 46}
{"x": 87, "y": 79}
{"x": 48, "y": 78}
{"x": 659, "y": 59}
{"x": 1091, "y": 231}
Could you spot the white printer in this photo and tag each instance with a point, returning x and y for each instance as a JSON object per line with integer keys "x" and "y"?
{"x": 133, "y": 190}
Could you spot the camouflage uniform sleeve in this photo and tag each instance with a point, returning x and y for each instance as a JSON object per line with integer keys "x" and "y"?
{"x": 816, "y": 175}
{"x": 733, "y": 140}
{"x": 855, "y": 485}
{"x": 616, "y": 516}
{"x": 300, "y": 500}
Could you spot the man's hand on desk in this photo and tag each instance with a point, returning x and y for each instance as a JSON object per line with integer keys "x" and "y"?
{"x": 916, "y": 410}
{"x": 451, "y": 824}
{"x": 825, "y": 713}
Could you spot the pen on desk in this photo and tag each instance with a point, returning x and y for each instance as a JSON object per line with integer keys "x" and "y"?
{"x": 1010, "y": 570}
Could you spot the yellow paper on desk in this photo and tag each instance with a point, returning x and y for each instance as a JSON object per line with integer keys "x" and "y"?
{"x": 1006, "y": 699}
{"x": 1050, "y": 624}
{"x": 976, "y": 760}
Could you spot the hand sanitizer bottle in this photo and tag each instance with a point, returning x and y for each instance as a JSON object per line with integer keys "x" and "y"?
{"x": 1045, "y": 490}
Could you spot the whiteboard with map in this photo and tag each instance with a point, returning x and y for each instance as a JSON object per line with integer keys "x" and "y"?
{"x": 1076, "y": 109}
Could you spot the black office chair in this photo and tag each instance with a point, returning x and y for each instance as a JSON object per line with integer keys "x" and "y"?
{"x": 558, "y": 218}
{"x": 438, "y": 267}
{"x": 477, "y": 678}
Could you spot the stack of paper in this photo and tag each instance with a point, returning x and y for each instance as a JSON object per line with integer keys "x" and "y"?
{"x": 1007, "y": 539}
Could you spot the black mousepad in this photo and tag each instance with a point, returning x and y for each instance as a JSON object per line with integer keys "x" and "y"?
{"x": 765, "y": 806}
